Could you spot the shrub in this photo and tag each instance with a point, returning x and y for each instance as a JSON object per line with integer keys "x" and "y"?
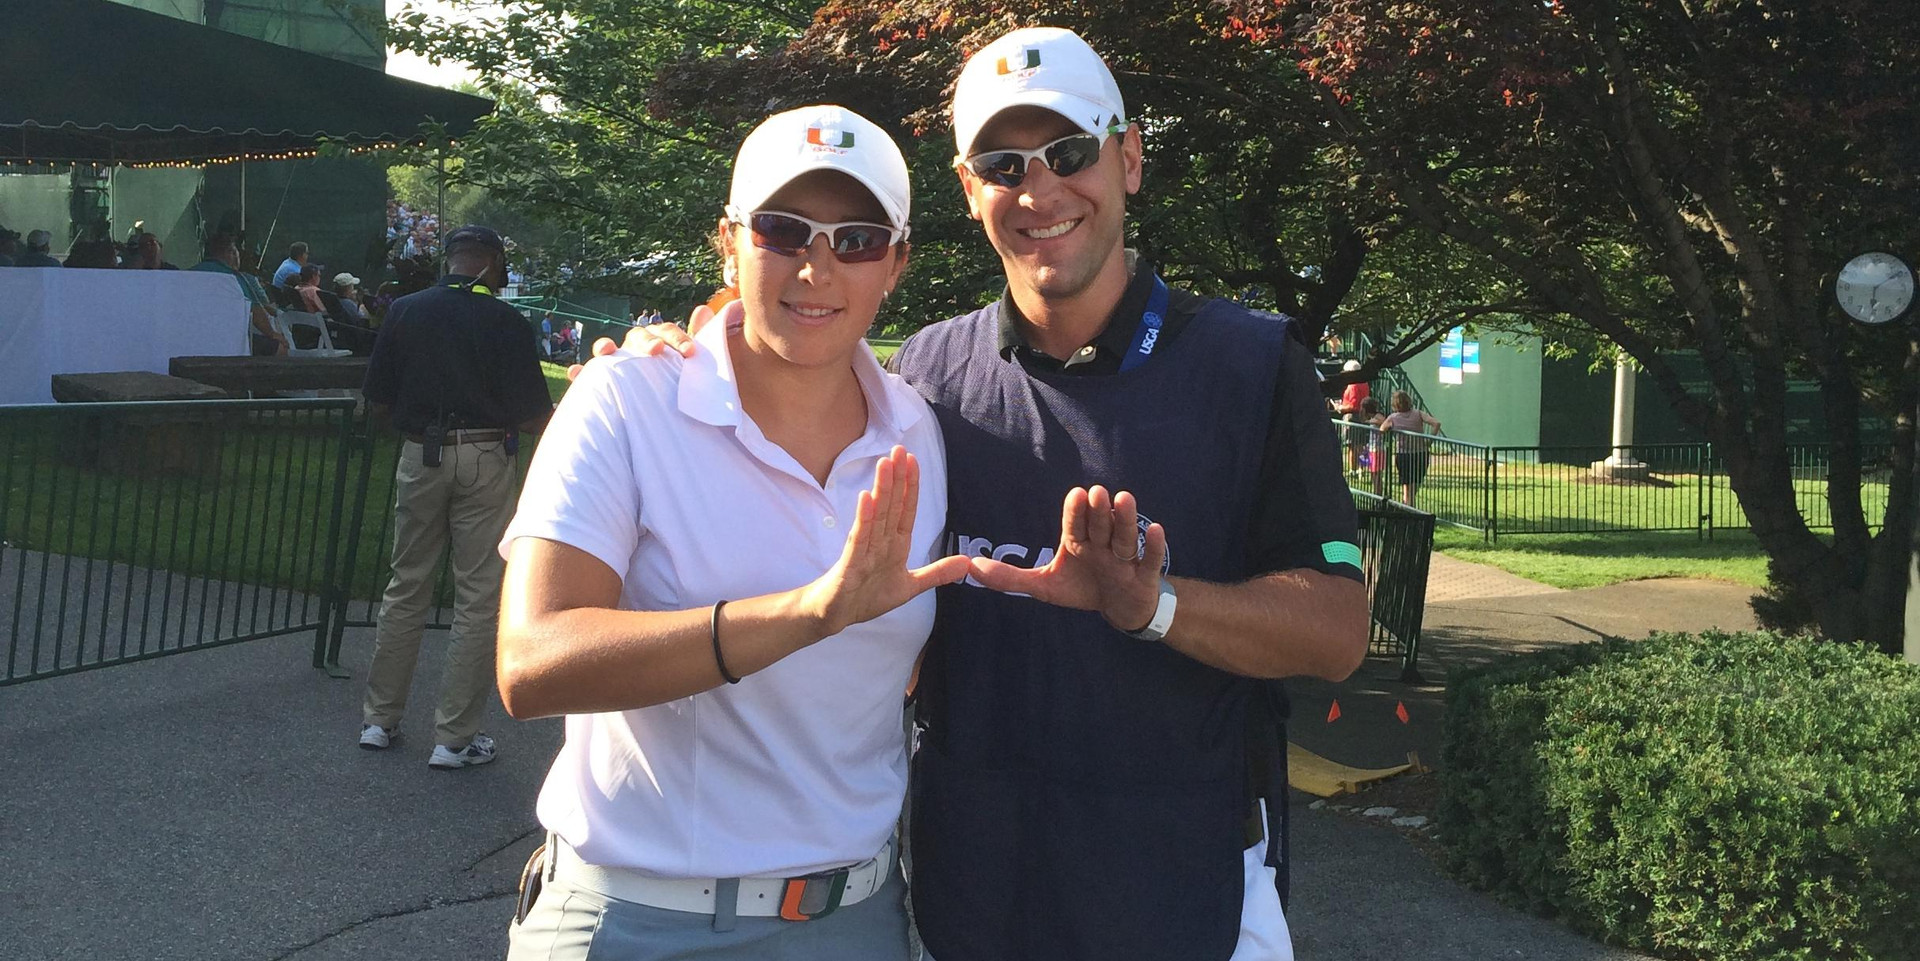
{"x": 1717, "y": 796}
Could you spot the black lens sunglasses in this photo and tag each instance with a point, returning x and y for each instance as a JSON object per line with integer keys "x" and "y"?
{"x": 1065, "y": 157}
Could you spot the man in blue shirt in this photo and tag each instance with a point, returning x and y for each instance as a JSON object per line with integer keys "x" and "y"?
{"x": 223, "y": 257}
{"x": 289, "y": 268}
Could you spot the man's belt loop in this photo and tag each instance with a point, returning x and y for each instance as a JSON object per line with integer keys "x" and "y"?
{"x": 726, "y": 904}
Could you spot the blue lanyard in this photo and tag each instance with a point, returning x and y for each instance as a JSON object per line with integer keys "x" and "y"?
{"x": 1148, "y": 333}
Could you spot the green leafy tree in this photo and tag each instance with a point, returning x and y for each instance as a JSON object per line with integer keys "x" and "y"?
{"x": 574, "y": 139}
{"x": 1668, "y": 176}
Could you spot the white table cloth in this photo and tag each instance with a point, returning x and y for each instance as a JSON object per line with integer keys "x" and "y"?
{"x": 76, "y": 321}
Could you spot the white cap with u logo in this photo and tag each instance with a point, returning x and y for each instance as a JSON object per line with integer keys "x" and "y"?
{"x": 821, "y": 137}
{"x": 1036, "y": 67}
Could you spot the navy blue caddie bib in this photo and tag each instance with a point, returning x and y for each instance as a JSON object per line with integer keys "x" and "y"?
{"x": 1080, "y": 794}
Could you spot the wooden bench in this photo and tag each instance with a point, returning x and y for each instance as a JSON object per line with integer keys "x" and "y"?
{"x": 263, "y": 376}
{"x": 135, "y": 442}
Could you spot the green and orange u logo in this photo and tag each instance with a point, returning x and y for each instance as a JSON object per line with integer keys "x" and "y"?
{"x": 829, "y": 137}
{"x": 1027, "y": 59}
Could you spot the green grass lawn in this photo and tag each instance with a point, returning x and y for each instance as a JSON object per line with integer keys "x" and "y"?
{"x": 556, "y": 375}
{"x": 1591, "y": 560}
{"x": 1543, "y": 514}
{"x": 1562, "y": 498}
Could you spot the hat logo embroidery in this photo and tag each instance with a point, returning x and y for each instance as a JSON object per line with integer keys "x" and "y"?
{"x": 1027, "y": 58}
{"x": 830, "y": 137}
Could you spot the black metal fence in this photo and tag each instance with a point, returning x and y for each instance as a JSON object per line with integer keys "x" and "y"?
{"x": 132, "y": 531}
{"x": 368, "y": 546}
{"x": 1508, "y": 490}
{"x": 1396, "y": 547}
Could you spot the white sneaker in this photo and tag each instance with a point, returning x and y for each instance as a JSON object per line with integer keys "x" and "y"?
{"x": 477, "y": 751}
{"x": 373, "y": 737}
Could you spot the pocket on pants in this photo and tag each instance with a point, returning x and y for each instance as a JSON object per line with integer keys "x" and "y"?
{"x": 558, "y": 927}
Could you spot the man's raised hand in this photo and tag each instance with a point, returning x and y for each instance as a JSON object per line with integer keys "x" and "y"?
{"x": 1099, "y": 565}
{"x": 650, "y": 340}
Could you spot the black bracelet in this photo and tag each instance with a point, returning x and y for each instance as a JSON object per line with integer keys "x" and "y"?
{"x": 713, "y": 632}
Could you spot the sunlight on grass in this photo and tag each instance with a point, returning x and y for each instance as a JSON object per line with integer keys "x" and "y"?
{"x": 1591, "y": 560}
{"x": 556, "y": 375}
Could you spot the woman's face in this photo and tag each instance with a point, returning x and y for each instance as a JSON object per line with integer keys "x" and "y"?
{"x": 811, "y": 309}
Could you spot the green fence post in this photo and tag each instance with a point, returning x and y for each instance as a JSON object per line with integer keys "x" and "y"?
{"x": 325, "y": 657}
{"x": 1706, "y": 482}
{"x": 351, "y": 556}
{"x": 1493, "y": 496}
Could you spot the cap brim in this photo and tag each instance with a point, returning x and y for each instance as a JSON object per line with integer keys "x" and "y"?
{"x": 1085, "y": 114}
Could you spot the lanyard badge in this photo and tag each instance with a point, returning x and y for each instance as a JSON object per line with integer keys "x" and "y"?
{"x": 1148, "y": 333}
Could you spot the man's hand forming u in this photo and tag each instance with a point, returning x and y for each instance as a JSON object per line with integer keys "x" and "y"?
{"x": 1099, "y": 565}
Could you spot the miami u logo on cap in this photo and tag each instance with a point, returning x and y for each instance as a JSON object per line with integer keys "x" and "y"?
{"x": 1026, "y": 58}
{"x": 830, "y": 137}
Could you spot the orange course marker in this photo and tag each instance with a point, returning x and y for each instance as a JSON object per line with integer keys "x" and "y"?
{"x": 1400, "y": 711}
{"x": 1333, "y": 713}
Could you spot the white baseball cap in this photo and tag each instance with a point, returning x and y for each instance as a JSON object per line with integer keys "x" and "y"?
{"x": 821, "y": 137}
{"x": 1036, "y": 67}
{"x": 344, "y": 279}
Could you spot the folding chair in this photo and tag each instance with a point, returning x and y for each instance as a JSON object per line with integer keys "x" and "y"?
{"x": 288, "y": 320}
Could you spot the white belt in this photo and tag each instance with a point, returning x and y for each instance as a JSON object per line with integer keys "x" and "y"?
{"x": 795, "y": 899}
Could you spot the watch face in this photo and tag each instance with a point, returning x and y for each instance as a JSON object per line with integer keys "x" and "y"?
{"x": 1874, "y": 288}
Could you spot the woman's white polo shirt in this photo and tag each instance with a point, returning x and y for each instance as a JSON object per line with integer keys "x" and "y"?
{"x": 650, "y": 466}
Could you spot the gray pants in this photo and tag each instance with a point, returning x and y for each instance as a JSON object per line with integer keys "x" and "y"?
{"x": 570, "y": 924}
{"x": 466, "y": 502}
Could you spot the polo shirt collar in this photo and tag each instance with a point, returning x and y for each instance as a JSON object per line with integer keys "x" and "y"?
{"x": 1114, "y": 339}
{"x": 710, "y": 391}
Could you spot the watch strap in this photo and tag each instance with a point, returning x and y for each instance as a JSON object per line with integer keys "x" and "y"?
{"x": 1157, "y": 628}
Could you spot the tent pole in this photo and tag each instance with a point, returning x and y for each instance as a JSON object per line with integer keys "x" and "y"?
{"x": 440, "y": 206}
{"x": 243, "y": 195}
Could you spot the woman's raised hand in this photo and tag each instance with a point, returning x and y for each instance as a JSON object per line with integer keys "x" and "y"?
{"x": 872, "y": 576}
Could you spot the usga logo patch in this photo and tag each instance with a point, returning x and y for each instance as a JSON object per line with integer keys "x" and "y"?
{"x": 830, "y": 137}
{"x": 1026, "y": 58}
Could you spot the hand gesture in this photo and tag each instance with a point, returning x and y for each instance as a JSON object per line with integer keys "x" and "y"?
{"x": 872, "y": 577}
{"x": 1099, "y": 565}
{"x": 650, "y": 340}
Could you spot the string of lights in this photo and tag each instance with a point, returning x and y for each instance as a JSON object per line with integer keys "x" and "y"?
{"x": 248, "y": 157}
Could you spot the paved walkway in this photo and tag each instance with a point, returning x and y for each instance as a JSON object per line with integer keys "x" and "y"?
{"x": 213, "y": 806}
{"x": 1449, "y": 579}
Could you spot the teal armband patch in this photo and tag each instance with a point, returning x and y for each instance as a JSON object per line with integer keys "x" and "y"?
{"x": 1341, "y": 552}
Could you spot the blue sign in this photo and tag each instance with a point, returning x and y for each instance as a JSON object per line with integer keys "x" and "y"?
{"x": 1450, "y": 351}
{"x": 1470, "y": 357}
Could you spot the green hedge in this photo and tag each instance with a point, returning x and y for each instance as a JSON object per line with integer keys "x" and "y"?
{"x": 1716, "y": 796}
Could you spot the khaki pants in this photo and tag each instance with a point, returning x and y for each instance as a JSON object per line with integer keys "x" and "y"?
{"x": 467, "y": 500}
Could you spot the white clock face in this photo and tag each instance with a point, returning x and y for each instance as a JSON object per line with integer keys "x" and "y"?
{"x": 1874, "y": 288}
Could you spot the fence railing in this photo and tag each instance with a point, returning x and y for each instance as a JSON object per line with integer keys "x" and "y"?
{"x": 136, "y": 530}
{"x": 1509, "y": 490}
{"x": 1396, "y": 548}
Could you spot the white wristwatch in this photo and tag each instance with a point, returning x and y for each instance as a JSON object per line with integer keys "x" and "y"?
{"x": 1156, "y": 629}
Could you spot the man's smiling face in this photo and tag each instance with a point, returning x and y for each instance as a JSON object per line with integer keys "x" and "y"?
{"x": 1054, "y": 234}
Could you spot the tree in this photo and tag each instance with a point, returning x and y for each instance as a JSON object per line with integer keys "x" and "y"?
{"x": 573, "y": 139}
{"x": 1670, "y": 175}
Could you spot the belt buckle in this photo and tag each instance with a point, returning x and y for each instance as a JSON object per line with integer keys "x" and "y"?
{"x": 813, "y": 896}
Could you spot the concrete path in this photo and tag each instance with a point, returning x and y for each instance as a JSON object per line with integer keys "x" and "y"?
{"x": 214, "y": 805}
{"x": 1451, "y": 579}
